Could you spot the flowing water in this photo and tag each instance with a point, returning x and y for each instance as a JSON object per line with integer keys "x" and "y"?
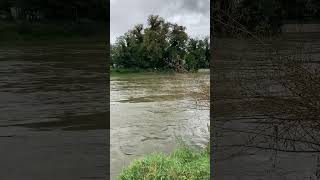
{"x": 53, "y": 111}
{"x": 150, "y": 112}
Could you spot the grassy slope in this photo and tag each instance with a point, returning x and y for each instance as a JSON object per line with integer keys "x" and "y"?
{"x": 184, "y": 164}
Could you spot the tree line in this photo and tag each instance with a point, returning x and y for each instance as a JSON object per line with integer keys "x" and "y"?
{"x": 161, "y": 45}
{"x": 58, "y": 9}
{"x": 263, "y": 16}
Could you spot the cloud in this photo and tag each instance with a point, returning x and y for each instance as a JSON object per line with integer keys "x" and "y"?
{"x": 194, "y": 14}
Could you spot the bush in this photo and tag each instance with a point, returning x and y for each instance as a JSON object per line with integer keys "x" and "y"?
{"x": 183, "y": 163}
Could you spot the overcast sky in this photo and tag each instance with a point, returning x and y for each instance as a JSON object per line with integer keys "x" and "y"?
{"x": 193, "y": 14}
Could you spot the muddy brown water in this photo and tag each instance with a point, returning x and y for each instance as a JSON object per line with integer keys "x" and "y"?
{"x": 53, "y": 111}
{"x": 151, "y": 112}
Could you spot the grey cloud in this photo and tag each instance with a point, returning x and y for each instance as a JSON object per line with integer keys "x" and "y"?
{"x": 199, "y": 6}
{"x": 194, "y": 14}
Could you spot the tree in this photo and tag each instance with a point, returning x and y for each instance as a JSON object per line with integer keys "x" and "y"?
{"x": 177, "y": 44}
{"x": 161, "y": 45}
{"x": 155, "y": 41}
{"x": 197, "y": 54}
{"x": 137, "y": 46}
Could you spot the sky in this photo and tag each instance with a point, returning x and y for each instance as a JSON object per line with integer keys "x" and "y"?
{"x": 193, "y": 14}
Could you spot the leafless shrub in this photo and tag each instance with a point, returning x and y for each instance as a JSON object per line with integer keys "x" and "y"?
{"x": 290, "y": 103}
{"x": 286, "y": 95}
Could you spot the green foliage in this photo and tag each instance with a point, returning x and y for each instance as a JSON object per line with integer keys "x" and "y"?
{"x": 197, "y": 54}
{"x": 182, "y": 164}
{"x": 160, "y": 46}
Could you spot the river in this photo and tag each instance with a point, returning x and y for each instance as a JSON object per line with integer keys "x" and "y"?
{"x": 53, "y": 115}
{"x": 153, "y": 112}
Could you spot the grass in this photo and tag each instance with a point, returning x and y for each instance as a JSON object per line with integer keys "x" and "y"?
{"x": 183, "y": 164}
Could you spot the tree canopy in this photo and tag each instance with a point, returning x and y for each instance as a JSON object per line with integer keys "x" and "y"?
{"x": 160, "y": 45}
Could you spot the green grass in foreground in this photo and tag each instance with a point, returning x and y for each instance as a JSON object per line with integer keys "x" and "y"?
{"x": 182, "y": 164}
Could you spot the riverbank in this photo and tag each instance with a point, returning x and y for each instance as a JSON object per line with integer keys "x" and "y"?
{"x": 183, "y": 163}
{"x": 19, "y": 32}
{"x": 129, "y": 71}
{"x": 138, "y": 70}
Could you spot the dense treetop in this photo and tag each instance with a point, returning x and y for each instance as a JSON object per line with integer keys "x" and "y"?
{"x": 160, "y": 45}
